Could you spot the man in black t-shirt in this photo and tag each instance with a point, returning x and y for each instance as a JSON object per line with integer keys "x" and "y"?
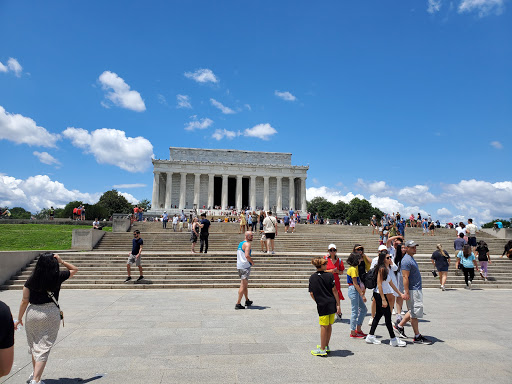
{"x": 6, "y": 339}
{"x": 204, "y": 224}
{"x": 134, "y": 257}
{"x": 323, "y": 291}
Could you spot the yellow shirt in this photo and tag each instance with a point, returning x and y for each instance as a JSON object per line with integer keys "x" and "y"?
{"x": 352, "y": 272}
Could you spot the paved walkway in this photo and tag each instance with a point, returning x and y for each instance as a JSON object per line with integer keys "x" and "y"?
{"x": 196, "y": 336}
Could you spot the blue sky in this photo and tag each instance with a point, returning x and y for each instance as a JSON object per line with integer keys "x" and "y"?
{"x": 405, "y": 103}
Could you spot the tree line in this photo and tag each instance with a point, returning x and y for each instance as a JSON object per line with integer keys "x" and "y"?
{"x": 357, "y": 211}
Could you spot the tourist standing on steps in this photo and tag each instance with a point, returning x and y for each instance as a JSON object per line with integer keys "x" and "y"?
{"x": 203, "y": 237}
{"x": 6, "y": 339}
{"x": 244, "y": 263}
{"x": 384, "y": 299}
{"x": 413, "y": 293}
{"x": 243, "y": 223}
{"x": 468, "y": 260}
{"x": 175, "y": 222}
{"x": 134, "y": 257}
{"x": 483, "y": 258}
{"x": 441, "y": 259}
{"x": 165, "y": 219}
{"x": 42, "y": 321}
{"x": 270, "y": 228}
{"x": 336, "y": 267}
{"x": 292, "y": 224}
{"x": 471, "y": 233}
{"x": 194, "y": 233}
{"x": 322, "y": 289}
{"x": 458, "y": 245}
{"x": 254, "y": 221}
{"x": 286, "y": 221}
{"x": 356, "y": 295}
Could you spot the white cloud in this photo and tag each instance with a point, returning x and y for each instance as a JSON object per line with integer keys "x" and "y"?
{"x": 161, "y": 99}
{"x": 128, "y": 186}
{"x": 46, "y": 158}
{"x": 119, "y": 92}
{"x": 198, "y": 124}
{"x": 131, "y": 199}
{"x": 418, "y": 195}
{"x": 219, "y": 134}
{"x": 248, "y": 107}
{"x": 376, "y": 187}
{"x": 261, "y": 131}
{"x": 111, "y": 146}
{"x": 285, "y": 95}
{"x": 224, "y": 109}
{"x": 483, "y": 7}
{"x": 330, "y": 194}
{"x": 183, "y": 101}
{"x": 202, "y": 76}
{"x": 497, "y": 144}
{"x": 434, "y": 6}
{"x": 13, "y": 66}
{"x": 23, "y": 130}
{"x": 444, "y": 212}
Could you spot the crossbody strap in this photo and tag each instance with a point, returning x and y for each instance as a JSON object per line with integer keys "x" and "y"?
{"x": 50, "y": 295}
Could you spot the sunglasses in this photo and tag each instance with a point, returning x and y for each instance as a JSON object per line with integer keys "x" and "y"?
{"x": 332, "y": 250}
{"x": 388, "y": 258}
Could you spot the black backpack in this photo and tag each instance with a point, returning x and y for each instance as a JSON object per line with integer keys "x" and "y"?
{"x": 369, "y": 279}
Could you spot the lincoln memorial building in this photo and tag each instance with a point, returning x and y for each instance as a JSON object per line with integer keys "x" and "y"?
{"x": 222, "y": 179}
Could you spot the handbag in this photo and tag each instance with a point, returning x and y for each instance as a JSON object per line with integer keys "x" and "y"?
{"x": 50, "y": 295}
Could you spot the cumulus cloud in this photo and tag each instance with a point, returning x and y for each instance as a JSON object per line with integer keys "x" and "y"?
{"x": 23, "y": 130}
{"x": 376, "y": 187}
{"x": 183, "y": 101}
{"x": 119, "y": 93}
{"x": 330, "y": 194}
{"x": 261, "y": 131}
{"x": 203, "y": 75}
{"x": 433, "y": 6}
{"x": 444, "y": 212}
{"x": 219, "y": 134}
{"x": 198, "y": 124}
{"x": 285, "y": 95}
{"x": 418, "y": 195}
{"x": 111, "y": 146}
{"x": 128, "y": 186}
{"x": 482, "y": 7}
{"x": 497, "y": 144}
{"x": 225, "y": 110}
{"x": 12, "y": 66}
{"x": 46, "y": 158}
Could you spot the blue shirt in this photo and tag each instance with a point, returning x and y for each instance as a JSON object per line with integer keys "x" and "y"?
{"x": 286, "y": 219}
{"x": 467, "y": 262}
{"x": 136, "y": 246}
{"x": 409, "y": 264}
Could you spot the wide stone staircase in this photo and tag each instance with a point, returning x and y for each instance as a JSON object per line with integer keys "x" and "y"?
{"x": 169, "y": 263}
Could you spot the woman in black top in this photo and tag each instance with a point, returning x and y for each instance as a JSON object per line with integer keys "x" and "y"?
{"x": 484, "y": 258}
{"x": 43, "y": 316}
{"x": 508, "y": 250}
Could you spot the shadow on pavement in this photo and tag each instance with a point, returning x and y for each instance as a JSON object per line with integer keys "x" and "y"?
{"x": 341, "y": 353}
{"x": 259, "y": 307}
{"x": 67, "y": 380}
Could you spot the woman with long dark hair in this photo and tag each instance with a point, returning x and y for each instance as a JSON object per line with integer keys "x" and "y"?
{"x": 383, "y": 298}
{"x": 356, "y": 295}
{"x": 468, "y": 260}
{"x": 43, "y": 316}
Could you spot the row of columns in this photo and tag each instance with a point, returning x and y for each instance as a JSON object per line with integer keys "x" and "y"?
{"x": 224, "y": 199}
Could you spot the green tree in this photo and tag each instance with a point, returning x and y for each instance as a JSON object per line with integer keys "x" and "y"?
{"x": 145, "y": 204}
{"x": 67, "y": 211}
{"x": 20, "y": 213}
{"x": 95, "y": 211}
{"x": 114, "y": 202}
{"x": 490, "y": 224}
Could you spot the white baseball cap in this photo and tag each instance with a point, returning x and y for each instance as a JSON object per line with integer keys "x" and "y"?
{"x": 382, "y": 247}
{"x": 331, "y": 246}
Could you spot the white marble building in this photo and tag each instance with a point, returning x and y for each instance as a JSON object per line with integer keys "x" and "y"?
{"x": 207, "y": 179}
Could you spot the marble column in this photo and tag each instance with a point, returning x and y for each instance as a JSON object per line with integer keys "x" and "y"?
{"x": 291, "y": 203}
{"x": 197, "y": 181}
{"x": 183, "y": 190}
{"x": 304, "y": 203}
{"x": 279, "y": 193}
{"x": 211, "y": 177}
{"x": 252, "y": 193}
{"x": 155, "y": 203}
{"x": 265, "y": 193}
{"x": 168, "y": 191}
{"x": 238, "y": 193}
{"x": 224, "y": 191}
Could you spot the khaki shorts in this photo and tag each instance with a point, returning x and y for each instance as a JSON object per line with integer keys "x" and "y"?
{"x": 415, "y": 303}
{"x": 132, "y": 259}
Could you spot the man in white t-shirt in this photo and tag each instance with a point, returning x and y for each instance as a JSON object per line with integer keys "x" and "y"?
{"x": 270, "y": 229}
{"x": 471, "y": 233}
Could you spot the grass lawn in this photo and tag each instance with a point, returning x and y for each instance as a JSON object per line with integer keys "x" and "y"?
{"x": 21, "y": 237}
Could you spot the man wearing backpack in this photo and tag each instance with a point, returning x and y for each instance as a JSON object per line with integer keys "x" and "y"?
{"x": 412, "y": 293}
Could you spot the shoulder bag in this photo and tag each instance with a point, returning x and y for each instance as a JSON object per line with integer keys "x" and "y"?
{"x": 51, "y": 296}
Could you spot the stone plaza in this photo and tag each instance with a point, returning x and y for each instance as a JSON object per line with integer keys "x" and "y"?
{"x": 195, "y": 336}
{"x": 223, "y": 179}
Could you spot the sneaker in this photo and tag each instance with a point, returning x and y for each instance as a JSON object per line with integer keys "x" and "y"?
{"x": 273, "y": 252}
{"x": 482, "y": 274}
{"x": 356, "y": 336}
{"x": 394, "y": 312}
{"x": 370, "y": 322}
{"x": 239, "y": 306}
{"x": 361, "y": 333}
{"x": 318, "y": 352}
{"x": 371, "y": 339}
{"x": 403, "y": 312}
{"x": 30, "y": 378}
{"x": 399, "y": 319}
{"x": 140, "y": 278}
{"x": 470, "y": 283}
{"x": 421, "y": 340}
{"x": 36, "y": 382}
{"x": 248, "y": 303}
{"x": 396, "y": 342}
{"x": 400, "y": 330}
{"x": 443, "y": 288}
{"x": 327, "y": 349}
{"x": 128, "y": 279}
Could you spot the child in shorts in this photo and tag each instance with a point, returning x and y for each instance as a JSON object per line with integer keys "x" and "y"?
{"x": 263, "y": 242}
{"x": 322, "y": 289}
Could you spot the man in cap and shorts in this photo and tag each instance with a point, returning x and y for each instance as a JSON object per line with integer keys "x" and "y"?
{"x": 244, "y": 263}
{"x": 413, "y": 293}
{"x": 134, "y": 257}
